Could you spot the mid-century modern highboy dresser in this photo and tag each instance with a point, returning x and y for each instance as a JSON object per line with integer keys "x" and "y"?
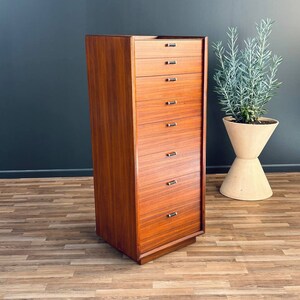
{"x": 148, "y": 121}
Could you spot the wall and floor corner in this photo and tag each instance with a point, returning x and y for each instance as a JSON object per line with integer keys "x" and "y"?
{"x": 44, "y": 117}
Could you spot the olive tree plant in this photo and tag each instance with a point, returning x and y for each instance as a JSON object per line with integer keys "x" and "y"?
{"x": 246, "y": 78}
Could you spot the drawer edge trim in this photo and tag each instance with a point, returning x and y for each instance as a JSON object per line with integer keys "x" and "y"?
{"x": 168, "y": 74}
{"x": 170, "y": 244}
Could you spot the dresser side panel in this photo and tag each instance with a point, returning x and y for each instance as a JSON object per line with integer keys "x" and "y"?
{"x": 109, "y": 65}
{"x": 204, "y": 122}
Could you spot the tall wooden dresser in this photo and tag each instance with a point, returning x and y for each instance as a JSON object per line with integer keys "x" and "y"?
{"x": 148, "y": 122}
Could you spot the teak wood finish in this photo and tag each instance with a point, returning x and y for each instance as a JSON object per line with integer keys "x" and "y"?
{"x": 148, "y": 122}
{"x": 156, "y": 47}
{"x": 154, "y": 110}
{"x": 168, "y": 65}
{"x": 186, "y": 86}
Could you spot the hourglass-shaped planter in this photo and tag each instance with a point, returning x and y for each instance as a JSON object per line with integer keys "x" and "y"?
{"x": 246, "y": 179}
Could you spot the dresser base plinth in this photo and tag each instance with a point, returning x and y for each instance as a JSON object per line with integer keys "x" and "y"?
{"x": 170, "y": 247}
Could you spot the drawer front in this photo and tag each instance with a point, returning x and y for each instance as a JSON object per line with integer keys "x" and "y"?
{"x": 166, "y": 166}
{"x": 168, "y": 48}
{"x": 171, "y": 223}
{"x": 168, "y": 65}
{"x": 162, "y": 87}
{"x": 164, "y": 137}
{"x": 163, "y": 109}
{"x": 186, "y": 190}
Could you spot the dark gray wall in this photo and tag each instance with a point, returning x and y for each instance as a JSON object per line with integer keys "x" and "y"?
{"x": 44, "y": 120}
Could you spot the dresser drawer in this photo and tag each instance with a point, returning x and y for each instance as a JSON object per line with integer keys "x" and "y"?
{"x": 162, "y": 87}
{"x": 168, "y": 65}
{"x": 168, "y": 48}
{"x": 159, "y": 196}
{"x": 163, "y": 109}
{"x": 171, "y": 223}
{"x": 164, "y": 166}
{"x": 163, "y": 137}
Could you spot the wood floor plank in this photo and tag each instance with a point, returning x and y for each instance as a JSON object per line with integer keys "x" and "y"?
{"x": 49, "y": 249}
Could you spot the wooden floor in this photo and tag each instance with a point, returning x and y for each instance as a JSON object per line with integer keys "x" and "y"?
{"x": 48, "y": 247}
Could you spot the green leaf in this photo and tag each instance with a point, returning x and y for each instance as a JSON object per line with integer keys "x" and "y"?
{"x": 246, "y": 78}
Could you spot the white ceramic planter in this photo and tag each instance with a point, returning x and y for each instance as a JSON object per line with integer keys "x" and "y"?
{"x": 246, "y": 179}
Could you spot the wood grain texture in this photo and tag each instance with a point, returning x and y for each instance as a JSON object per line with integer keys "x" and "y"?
{"x": 187, "y": 86}
{"x": 169, "y": 65}
{"x": 186, "y": 190}
{"x": 203, "y": 132}
{"x": 159, "y": 167}
{"x": 159, "y": 109}
{"x": 49, "y": 249}
{"x": 157, "y": 48}
{"x": 150, "y": 255}
{"x": 157, "y": 229}
{"x": 109, "y": 63}
{"x": 158, "y": 137}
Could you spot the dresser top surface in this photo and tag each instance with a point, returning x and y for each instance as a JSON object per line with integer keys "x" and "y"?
{"x": 147, "y": 37}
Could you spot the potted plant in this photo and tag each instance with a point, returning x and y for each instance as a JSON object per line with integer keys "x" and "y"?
{"x": 245, "y": 82}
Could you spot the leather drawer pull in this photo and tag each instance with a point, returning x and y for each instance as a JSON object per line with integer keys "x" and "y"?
{"x": 171, "y": 102}
{"x": 171, "y": 124}
{"x": 172, "y": 182}
{"x": 173, "y": 214}
{"x": 171, "y": 45}
{"x": 171, "y": 62}
{"x": 174, "y": 153}
{"x": 171, "y": 79}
